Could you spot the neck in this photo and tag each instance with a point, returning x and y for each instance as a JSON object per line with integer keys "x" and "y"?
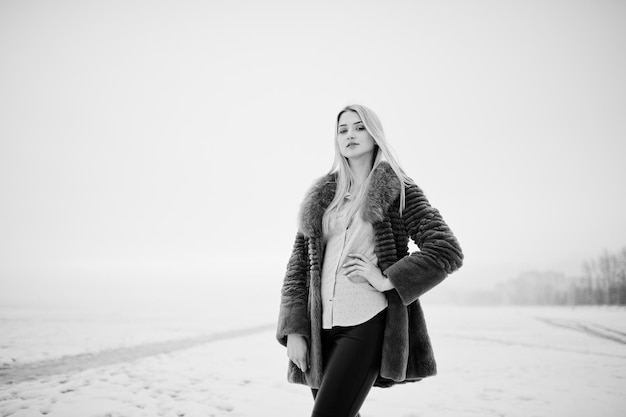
{"x": 361, "y": 168}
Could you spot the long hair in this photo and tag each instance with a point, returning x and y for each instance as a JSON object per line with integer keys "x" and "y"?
{"x": 382, "y": 152}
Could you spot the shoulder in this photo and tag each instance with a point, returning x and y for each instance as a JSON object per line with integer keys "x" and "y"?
{"x": 418, "y": 209}
{"x": 321, "y": 188}
{"x": 415, "y": 199}
{"x": 385, "y": 182}
{"x": 388, "y": 186}
{"x": 384, "y": 188}
{"x": 317, "y": 198}
{"x": 412, "y": 190}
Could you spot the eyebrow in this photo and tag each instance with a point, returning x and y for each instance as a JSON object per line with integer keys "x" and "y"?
{"x": 352, "y": 124}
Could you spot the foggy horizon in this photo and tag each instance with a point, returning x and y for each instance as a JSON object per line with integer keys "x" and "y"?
{"x": 148, "y": 144}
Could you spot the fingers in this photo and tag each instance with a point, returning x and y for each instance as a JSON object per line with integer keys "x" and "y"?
{"x": 358, "y": 263}
{"x": 354, "y": 262}
{"x": 300, "y": 358}
{"x": 359, "y": 258}
{"x": 301, "y": 363}
{"x": 355, "y": 267}
{"x": 350, "y": 269}
{"x": 357, "y": 277}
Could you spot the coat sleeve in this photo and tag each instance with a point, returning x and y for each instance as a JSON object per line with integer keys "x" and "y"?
{"x": 439, "y": 254}
{"x": 293, "y": 315}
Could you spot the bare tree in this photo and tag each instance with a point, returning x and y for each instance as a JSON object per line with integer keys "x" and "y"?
{"x": 606, "y": 279}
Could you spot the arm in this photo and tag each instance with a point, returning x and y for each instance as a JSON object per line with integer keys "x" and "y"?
{"x": 293, "y": 316}
{"x": 439, "y": 254}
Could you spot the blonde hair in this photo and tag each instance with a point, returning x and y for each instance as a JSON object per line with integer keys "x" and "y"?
{"x": 382, "y": 152}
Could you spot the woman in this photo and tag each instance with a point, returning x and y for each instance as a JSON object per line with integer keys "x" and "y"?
{"x": 350, "y": 314}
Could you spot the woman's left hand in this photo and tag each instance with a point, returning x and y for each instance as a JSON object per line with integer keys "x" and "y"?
{"x": 360, "y": 266}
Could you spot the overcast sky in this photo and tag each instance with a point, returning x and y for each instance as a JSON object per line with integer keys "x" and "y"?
{"x": 154, "y": 140}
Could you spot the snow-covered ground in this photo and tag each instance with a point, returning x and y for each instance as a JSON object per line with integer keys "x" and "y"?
{"x": 499, "y": 361}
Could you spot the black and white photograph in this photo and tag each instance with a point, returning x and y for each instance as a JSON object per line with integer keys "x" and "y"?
{"x": 312, "y": 208}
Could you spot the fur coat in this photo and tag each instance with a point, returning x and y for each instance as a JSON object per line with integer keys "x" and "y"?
{"x": 407, "y": 354}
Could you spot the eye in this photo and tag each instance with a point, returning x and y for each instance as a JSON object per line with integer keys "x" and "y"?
{"x": 360, "y": 127}
{"x": 343, "y": 130}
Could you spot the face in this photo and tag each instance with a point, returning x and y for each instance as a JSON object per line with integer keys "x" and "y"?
{"x": 353, "y": 139}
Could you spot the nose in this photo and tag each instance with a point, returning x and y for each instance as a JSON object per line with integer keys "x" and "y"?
{"x": 351, "y": 135}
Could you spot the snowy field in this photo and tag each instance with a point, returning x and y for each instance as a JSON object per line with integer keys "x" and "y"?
{"x": 500, "y": 361}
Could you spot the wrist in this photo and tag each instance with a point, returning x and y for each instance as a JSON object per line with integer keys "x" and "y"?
{"x": 386, "y": 284}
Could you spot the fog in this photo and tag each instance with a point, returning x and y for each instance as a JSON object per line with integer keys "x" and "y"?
{"x": 163, "y": 148}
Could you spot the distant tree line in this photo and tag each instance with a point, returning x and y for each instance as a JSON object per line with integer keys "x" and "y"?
{"x": 603, "y": 282}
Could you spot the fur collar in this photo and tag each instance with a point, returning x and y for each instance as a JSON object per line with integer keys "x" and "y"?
{"x": 383, "y": 189}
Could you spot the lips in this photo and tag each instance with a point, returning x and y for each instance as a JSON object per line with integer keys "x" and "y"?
{"x": 351, "y": 144}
